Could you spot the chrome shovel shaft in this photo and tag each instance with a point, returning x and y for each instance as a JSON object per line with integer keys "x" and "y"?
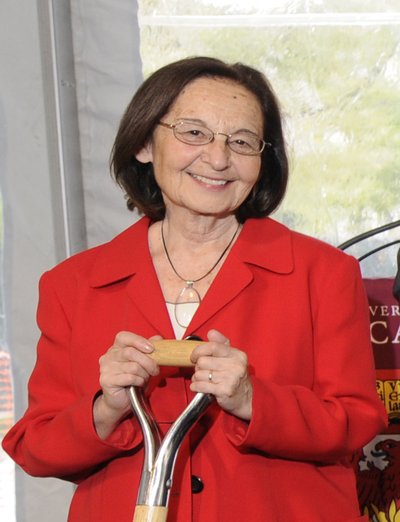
{"x": 159, "y": 461}
{"x": 160, "y": 455}
{"x": 151, "y": 438}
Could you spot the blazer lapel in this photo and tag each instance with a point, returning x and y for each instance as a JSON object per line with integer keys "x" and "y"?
{"x": 128, "y": 256}
{"x": 145, "y": 291}
{"x": 233, "y": 277}
{"x": 262, "y": 242}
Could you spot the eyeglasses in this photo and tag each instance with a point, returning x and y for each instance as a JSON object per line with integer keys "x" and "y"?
{"x": 242, "y": 142}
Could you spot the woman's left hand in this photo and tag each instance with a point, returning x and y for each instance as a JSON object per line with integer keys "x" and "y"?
{"x": 223, "y": 371}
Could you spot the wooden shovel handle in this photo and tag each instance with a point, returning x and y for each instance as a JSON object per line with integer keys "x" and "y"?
{"x": 174, "y": 352}
{"x": 150, "y": 514}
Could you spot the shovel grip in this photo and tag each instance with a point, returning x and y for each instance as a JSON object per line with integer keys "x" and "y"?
{"x": 174, "y": 352}
{"x": 150, "y": 514}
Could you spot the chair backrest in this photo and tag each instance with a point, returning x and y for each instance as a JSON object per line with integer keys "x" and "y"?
{"x": 396, "y": 285}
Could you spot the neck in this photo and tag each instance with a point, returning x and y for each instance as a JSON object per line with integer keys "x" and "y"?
{"x": 189, "y": 296}
{"x": 191, "y": 281}
{"x": 194, "y": 231}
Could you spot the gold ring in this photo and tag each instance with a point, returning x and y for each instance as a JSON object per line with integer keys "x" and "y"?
{"x": 210, "y": 376}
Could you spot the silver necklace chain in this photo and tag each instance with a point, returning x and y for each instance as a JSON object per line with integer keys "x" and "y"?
{"x": 190, "y": 282}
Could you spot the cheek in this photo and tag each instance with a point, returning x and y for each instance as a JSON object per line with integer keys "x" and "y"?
{"x": 251, "y": 172}
{"x": 175, "y": 159}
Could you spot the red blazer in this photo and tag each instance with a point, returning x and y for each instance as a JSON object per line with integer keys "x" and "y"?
{"x": 294, "y": 304}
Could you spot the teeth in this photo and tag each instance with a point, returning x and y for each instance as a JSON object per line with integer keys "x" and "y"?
{"x": 209, "y": 181}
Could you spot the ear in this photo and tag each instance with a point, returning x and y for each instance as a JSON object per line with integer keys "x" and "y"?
{"x": 145, "y": 154}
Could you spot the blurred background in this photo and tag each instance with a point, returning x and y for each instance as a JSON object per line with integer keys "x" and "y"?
{"x": 68, "y": 68}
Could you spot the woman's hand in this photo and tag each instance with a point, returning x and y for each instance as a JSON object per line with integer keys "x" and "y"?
{"x": 126, "y": 363}
{"x": 223, "y": 371}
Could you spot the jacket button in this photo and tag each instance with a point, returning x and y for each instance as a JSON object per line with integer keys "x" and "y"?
{"x": 197, "y": 484}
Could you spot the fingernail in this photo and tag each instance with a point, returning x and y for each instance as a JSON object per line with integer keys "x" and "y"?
{"x": 146, "y": 345}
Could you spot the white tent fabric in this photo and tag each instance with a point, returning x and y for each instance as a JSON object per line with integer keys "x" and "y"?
{"x": 58, "y": 115}
{"x": 108, "y": 71}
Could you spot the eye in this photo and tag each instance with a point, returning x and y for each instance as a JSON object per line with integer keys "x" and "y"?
{"x": 241, "y": 142}
{"x": 195, "y": 132}
{"x": 192, "y": 133}
{"x": 245, "y": 141}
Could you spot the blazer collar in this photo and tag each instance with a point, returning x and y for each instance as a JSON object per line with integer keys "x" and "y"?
{"x": 262, "y": 242}
{"x": 119, "y": 258}
{"x": 266, "y": 243}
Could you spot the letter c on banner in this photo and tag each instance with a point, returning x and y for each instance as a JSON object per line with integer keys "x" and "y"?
{"x": 373, "y": 339}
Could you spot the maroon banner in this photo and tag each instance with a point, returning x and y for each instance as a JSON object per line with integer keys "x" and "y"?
{"x": 378, "y": 464}
{"x": 385, "y": 323}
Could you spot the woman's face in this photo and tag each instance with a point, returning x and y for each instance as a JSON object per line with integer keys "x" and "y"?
{"x": 206, "y": 179}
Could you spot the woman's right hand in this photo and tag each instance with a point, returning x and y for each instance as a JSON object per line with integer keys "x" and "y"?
{"x": 125, "y": 363}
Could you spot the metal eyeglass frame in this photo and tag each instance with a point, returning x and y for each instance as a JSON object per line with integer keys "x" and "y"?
{"x": 174, "y": 127}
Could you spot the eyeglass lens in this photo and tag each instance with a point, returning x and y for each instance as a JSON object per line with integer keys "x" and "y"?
{"x": 242, "y": 142}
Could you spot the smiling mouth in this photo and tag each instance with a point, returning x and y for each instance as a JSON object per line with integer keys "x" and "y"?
{"x": 210, "y": 181}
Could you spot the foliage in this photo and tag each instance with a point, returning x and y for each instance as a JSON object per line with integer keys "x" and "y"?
{"x": 339, "y": 87}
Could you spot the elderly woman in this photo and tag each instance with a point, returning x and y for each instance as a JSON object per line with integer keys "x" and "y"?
{"x": 200, "y": 153}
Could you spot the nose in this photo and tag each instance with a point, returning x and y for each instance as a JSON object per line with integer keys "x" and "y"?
{"x": 217, "y": 153}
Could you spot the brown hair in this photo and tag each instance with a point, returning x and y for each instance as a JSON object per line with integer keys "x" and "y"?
{"x": 153, "y": 100}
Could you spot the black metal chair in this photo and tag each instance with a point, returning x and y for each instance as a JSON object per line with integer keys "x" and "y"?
{"x": 387, "y": 244}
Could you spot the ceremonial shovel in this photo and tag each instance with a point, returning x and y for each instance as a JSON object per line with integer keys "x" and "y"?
{"x": 160, "y": 455}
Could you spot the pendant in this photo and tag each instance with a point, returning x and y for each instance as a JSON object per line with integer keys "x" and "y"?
{"x": 186, "y": 304}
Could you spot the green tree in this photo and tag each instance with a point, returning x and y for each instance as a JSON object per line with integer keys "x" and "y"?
{"x": 339, "y": 90}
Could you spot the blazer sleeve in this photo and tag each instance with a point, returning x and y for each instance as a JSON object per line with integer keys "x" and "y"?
{"x": 341, "y": 412}
{"x": 56, "y": 435}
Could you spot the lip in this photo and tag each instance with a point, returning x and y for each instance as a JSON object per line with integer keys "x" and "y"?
{"x": 213, "y": 182}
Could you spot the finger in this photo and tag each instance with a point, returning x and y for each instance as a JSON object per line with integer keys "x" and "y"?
{"x": 141, "y": 360}
{"x": 209, "y": 382}
{"x": 156, "y": 338}
{"x": 208, "y": 376}
{"x": 135, "y": 375}
{"x": 211, "y": 363}
{"x": 116, "y": 360}
{"x": 124, "y": 339}
{"x": 217, "y": 337}
{"x": 210, "y": 349}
